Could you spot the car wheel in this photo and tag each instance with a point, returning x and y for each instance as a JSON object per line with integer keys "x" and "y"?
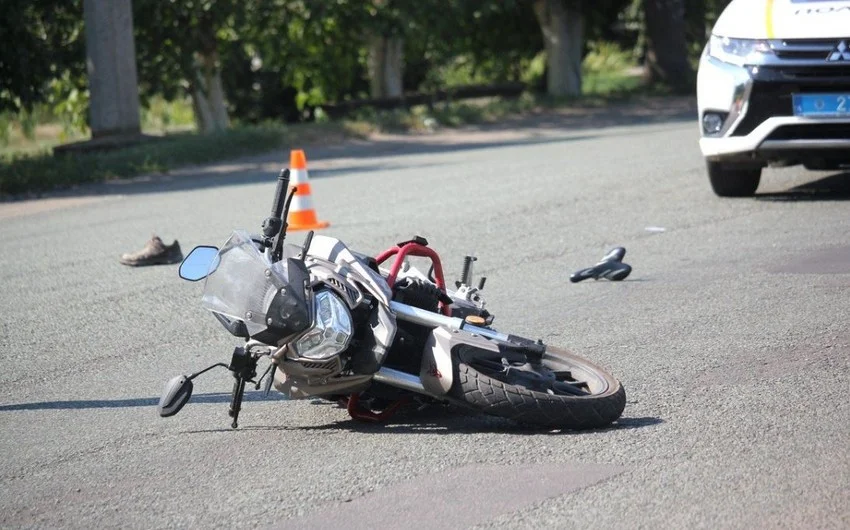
{"x": 730, "y": 181}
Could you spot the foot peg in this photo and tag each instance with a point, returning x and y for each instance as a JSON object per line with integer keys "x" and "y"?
{"x": 611, "y": 267}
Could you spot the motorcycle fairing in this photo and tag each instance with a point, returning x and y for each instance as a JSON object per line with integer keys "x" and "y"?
{"x": 437, "y": 368}
{"x": 332, "y": 263}
{"x": 334, "y": 250}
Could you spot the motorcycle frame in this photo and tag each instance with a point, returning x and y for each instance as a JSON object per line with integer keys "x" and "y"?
{"x": 411, "y": 248}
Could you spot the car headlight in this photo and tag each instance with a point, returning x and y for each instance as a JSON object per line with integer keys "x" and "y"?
{"x": 331, "y": 331}
{"x": 739, "y": 51}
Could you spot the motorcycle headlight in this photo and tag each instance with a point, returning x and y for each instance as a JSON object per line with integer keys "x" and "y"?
{"x": 739, "y": 51}
{"x": 331, "y": 331}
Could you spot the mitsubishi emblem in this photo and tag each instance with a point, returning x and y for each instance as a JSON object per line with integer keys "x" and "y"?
{"x": 840, "y": 53}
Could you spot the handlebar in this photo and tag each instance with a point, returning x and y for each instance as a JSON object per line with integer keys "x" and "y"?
{"x": 274, "y": 227}
{"x": 280, "y": 193}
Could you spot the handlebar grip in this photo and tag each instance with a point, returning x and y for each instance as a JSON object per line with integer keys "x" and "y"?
{"x": 280, "y": 193}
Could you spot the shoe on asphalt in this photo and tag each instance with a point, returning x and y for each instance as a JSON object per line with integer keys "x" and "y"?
{"x": 155, "y": 252}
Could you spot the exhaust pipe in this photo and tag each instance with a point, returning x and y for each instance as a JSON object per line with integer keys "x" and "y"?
{"x": 400, "y": 379}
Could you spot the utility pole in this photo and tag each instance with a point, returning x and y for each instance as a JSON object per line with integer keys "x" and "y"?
{"x": 111, "y": 65}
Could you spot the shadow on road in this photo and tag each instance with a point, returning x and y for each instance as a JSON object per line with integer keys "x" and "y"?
{"x": 830, "y": 188}
{"x": 133, "y": 402}
{"x": 542, "y": 127}
{"x": 442, "y": 420}
{"x": 463, "y": 423}
{"x": 639, "y": 111}
{"x": 263, "y": 169}
{"x": 433, "y": 420}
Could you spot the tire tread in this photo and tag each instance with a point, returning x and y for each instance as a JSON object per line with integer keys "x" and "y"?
{"x": 508, "y": 401}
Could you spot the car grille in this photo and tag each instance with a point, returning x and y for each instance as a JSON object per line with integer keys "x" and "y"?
{"x": 765, "y": 102}
{"x": 825, "y": 131}
{"x": 797, "y": 66}
{"x": 773, "y": 88}
{"x": 832, "y": 74}
{"x": 804, "y": 50}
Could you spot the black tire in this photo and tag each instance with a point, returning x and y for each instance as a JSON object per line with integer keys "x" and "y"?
{"x": 731, "y": 181}
{"x": 492, "y": 396}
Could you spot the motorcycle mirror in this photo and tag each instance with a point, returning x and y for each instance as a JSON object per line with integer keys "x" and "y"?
{"x": 177, "y": 392}
{"x": 199, "y": 263}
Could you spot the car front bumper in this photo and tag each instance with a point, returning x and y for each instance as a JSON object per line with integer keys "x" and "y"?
{"x": 760, "y": 124}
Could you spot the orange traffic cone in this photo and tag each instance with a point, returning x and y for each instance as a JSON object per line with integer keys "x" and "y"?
{"x": 302, "y": 215}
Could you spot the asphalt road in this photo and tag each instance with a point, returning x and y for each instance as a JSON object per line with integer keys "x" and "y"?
{"x": 730, "y": 336}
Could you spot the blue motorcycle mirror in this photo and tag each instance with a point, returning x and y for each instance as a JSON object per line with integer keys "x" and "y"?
{"x": 199, "y": 263}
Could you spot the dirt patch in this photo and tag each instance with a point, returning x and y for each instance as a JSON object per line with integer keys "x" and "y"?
{"x": 834, "y": 260}
{"x": 9, "y": 210}
{"x": 750, "y": 368}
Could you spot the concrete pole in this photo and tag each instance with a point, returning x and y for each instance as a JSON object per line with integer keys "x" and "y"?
{"x": 111, "y": 65}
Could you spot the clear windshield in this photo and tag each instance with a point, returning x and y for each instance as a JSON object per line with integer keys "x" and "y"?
{"x": 244, "y": 283}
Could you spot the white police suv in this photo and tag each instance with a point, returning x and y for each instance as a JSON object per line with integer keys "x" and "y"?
{"x": 773, "y": 88}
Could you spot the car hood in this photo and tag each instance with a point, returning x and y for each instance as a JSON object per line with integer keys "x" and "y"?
{"x": 785, "y": 19}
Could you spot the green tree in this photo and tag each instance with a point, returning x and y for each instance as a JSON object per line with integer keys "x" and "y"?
{"x": 700, "y": 16}
{"x": 667, "y": 50}
{"x": 565, "y": 25}
{"x": 270, "y": 58}
{"x": 293, "y": 55}
{"x": 178, "y": 48}
{"x": 562, "y": 25}
{"x": 492, "y": 40}
{"x": 42, "y": 43}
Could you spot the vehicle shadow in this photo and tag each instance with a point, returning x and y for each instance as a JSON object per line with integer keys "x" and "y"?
{"x": 212, "y": 397}
{"x": 453, "y": 420}
{"x": 545, "y": 126}
{"x": 431, "y": 420}
{"x": 263, "y": 169}
{"x": 830, "y": 188}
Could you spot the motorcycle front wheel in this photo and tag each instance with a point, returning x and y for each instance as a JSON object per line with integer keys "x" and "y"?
{"x": 562, "y": 391}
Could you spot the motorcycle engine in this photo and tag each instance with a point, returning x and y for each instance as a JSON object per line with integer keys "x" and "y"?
{"x": 418, "y": 293}
{"x": 406, "y": 351}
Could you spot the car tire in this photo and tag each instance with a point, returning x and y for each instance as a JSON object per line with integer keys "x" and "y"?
{"x": 730, "y": 181}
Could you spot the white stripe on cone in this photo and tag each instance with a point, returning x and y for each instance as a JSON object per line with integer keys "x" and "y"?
{"x": 297, "y": 176}
{"x": 301, "y": 203}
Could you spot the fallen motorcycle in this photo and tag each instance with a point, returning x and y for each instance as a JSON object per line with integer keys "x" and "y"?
{"x": 335, "y": 324}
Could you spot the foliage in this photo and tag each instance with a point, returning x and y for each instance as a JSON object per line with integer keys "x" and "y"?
{"x": 283, "y": 59}
{"x": 492, "y": 40}
{"x": 161, "y": 115}
{"x": 42, "y": 41}
{"x": 169, "y": 34}
{"x": 606, "y": 56}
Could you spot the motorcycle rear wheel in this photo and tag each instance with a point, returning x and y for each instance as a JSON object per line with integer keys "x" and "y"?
{"x": 583, "y": 395}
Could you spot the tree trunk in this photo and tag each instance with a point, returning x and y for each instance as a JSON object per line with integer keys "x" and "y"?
{"x": 563, "y": 36}
{"x": 386, "y": 66}
{"x": 111, "y": 64}
{"x": 208, "y": 99}
{"x": 695, "y": 23}
{"x": 667, "y": 49}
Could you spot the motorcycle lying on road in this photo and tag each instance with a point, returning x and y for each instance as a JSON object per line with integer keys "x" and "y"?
{"x": 336, "y": 325}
